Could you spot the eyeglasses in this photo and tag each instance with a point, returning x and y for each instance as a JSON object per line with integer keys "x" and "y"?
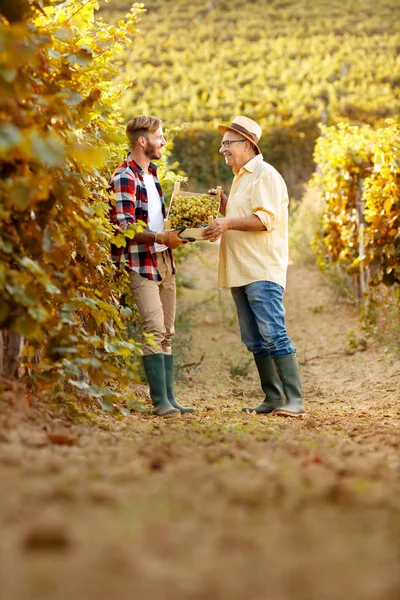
{"x": 227, "y": 143}
{"x": 159, "y": 138}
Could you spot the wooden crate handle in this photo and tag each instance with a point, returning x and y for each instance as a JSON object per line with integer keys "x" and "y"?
{"x": 219, "y": 190}
{"x": 177, "y": 186}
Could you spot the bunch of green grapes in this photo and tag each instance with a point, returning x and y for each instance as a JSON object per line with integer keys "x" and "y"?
{"x": 193, "y": 211}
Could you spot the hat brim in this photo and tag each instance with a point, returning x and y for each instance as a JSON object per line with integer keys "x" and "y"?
{"x": 223, "y": 128}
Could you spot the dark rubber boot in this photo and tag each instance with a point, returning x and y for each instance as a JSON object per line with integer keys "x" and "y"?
{"x": 271, "y": 385}
{"x": 155, "y": 373}
{"x": 169, "y": 378}
{"x": 289, "y": 373}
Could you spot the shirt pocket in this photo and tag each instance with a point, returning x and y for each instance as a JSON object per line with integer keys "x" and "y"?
{"x": 239, "y": 204}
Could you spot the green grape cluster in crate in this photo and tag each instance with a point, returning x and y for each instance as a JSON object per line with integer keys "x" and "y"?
{"x": 193, "y": 211}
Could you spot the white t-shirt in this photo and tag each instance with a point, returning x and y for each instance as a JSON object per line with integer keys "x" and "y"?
{"x": 156, "y": 219}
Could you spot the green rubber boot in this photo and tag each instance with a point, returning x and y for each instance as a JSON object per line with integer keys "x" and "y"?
{"x": 169, "y": 377}
{"x": 289, "y": 373}
{"x": 271, "y": 385}
{"x": 155, "y": 373}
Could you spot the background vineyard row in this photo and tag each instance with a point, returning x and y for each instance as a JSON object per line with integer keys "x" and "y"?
{"x": 289, "y": 65}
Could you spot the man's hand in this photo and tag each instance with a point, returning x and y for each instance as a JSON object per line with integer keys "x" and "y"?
{"x": 214, "y": 231}
{"x": 171, "y": 239}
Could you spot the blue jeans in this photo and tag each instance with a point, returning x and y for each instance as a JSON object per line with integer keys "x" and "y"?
{"x": 262, "y": 319}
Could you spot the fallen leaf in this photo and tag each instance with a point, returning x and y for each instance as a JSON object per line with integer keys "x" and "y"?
{"x": 63, "y": 440}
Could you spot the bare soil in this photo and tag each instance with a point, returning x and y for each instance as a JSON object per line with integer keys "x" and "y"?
{"x": 219, "y": 505}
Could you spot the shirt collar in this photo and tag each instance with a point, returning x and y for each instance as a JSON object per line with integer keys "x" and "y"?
{"x": 250, "y": 166}
{"x": 138, "y": 169}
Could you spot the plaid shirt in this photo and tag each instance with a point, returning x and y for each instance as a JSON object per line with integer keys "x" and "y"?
{"x": 131, "y": 206}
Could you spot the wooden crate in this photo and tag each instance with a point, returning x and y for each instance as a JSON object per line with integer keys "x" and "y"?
{"x": 195, "y": 233}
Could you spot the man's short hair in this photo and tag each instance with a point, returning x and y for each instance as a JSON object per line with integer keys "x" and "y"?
{"x": 140, "y": 126}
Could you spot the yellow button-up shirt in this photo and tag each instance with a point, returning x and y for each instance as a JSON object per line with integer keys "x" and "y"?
{"x": 249, "y": 256}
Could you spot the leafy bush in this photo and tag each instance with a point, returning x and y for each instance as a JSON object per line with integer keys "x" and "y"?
{"x": 358, "y": 168}
{"x": 358, "y": 178}
{"x": 60, "y": 136}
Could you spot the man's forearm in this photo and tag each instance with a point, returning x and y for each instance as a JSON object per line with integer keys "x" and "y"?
{"x": 252, "y": 223}
{"x": 170, "y": 239}
{"x": 146, "y": 237}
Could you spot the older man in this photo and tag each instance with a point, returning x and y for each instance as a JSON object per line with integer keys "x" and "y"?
{"x": 253, "y": 264}
{"x": 148, "y": 257}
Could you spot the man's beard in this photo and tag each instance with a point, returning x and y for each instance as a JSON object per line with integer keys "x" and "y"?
{"x": 151, "y": 151}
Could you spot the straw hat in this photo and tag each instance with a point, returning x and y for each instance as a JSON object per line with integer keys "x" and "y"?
{"x": 246, "y": 128}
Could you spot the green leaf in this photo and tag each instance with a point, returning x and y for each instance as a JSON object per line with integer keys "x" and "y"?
{"x": 121, "y": 348}
{"x": 88, "y": 362}
{"x": 50, "y": 287}
{"x": 3, "y": 274}
{"x": 28, "y": 327}
{"x": 119, "y": 241}
{"x": 6, "y": 88}
{"x": 38, "y": 313}
{"x": 10, "y": 136}
{"x": 81, "y": 385}
{"x": 31, "y": 265}
{"x": 63, "y": 34}
{"x": 130, "y": 233}
{"x": 4, "y": 311}
{"x": 74, "y": 99}
{"x": 82, "y": 59}
{"x": 21, "y": 194}
{"x": 48, "y": 149}
{"x": 106, "y": 405}
{"x": 53, "y": 53}
{"x": 6, "y": 246}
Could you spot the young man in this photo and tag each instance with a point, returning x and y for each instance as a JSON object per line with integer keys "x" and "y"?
{"x": 148, "y": 257}
{"x": 253, "y": 264}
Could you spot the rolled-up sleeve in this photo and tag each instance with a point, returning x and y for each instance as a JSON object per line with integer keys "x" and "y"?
{"x": 266, "y": 198}
{"x": 124, "y": 188}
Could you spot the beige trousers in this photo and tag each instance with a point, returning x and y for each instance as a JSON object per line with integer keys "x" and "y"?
{"x": 156, "y": 301}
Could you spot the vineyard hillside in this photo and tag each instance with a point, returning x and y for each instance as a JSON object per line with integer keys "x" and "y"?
{"x": 289, "y": 65}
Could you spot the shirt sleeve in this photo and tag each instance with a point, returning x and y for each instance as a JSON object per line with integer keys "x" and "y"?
{"x": 124, "y": 188}
{"x": 268, "y": 194}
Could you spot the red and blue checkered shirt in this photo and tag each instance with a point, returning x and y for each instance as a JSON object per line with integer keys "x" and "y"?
{"x": 131, "y": 206}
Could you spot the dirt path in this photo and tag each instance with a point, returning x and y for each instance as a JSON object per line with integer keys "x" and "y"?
{"x": 220, "y": 505}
